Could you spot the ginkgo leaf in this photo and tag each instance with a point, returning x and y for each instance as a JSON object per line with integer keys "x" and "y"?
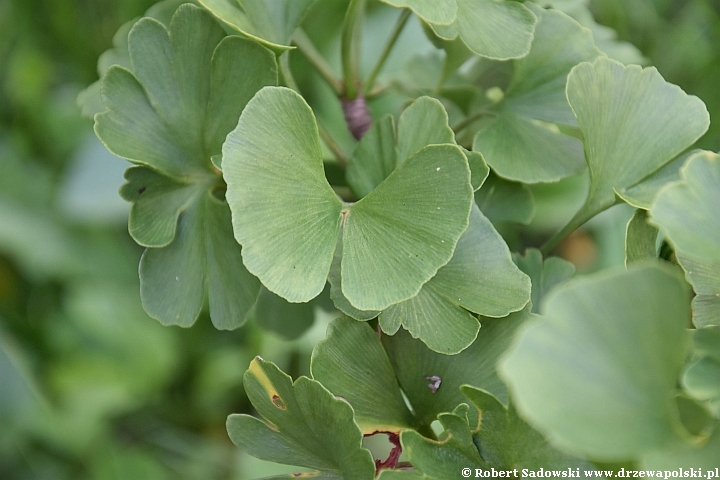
{"x": 442, "y": 12}
{"x": 633, "y": 123}
{"x": 303, "y": 424}
{"x": 391, "y": 368}
{"x": 499, "y": 30}
{"x": 382, "y": 149}
{"x": 479, "y": 278}
{"x": 505, "y": 201}
{"x": 517, "y": 143}
{"x": 270, "y": 22}
{"x": 611, "y": 347}
{"x": 685, "y": 212}
{"x": 170, "y": 115}
{"x": 394, "y": 239}
{"x": 500, "y": 440}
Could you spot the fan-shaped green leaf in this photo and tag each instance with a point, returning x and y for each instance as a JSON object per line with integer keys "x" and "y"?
{"x": 693, "y": 226}
{"x": 423, "y": 123}
{"x": 517, "y": 144}
{"x": 611, "y": 347}
{"x": 274, "y": 155}
{"x": 480, "y": 278}
{"x": 496, "y": 29}
{"x": 633, "y": 123}
{"x": 270, "y": 22}
{"x": 640, "y": 239}
{"x": 394, "y": 239}
{"x": 304, "y": 425}
{"x": 442, "y": 12}
{"x": 544, "y": 274}
{"x": 687, "y": 211}
{"x": 171, "y": 115}
{"x": 352, "y": 363}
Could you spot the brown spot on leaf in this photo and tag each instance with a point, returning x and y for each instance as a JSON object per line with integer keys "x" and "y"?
{"x": 278, "y": 402}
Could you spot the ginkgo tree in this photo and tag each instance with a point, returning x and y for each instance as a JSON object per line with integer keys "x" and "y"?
{"x": 465, "y": 354}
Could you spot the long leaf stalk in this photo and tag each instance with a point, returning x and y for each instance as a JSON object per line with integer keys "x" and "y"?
{"x": 307, "y": 48}
{"x": 349, "y": 47}
{"x": 387, "y": 49}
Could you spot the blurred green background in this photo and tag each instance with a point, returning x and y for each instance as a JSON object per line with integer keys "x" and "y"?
{"x": 90, "y": 386}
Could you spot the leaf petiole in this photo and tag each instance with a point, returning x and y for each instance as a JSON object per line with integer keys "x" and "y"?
{"x": 392, "y": 40}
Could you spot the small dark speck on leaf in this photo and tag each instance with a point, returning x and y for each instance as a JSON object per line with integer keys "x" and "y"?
{"x": 435, "y": 382}
{"x": 141, "y": 190}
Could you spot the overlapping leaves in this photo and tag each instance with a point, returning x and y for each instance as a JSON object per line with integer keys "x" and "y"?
{"x": 500, "y": 440}
{"x": 686, "y": 212}
{"x": 394, "y": 239}
{"x": 270, "y": 22}
{"x": 633, "y": 124}
{"x": 479, "y": 278}
{"x": 493, "y": 29}
{"x": 187, "y": 88}
{"x": 303, "y": 424}
{"x": 518, "y": 144}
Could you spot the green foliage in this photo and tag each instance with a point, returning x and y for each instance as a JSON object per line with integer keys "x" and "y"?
{"x": 451, "y": 329}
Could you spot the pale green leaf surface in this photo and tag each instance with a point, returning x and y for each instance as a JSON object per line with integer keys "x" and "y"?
{"x": 423, "y": 123}
{"x": 413, "y": 361}
{"x": 505, "y": 441}
{"x": 612, "y": 347}
{"x": 270, "y": 22}
{"x": 480, "y": 277}
{"x": 704, "y": 276}
{"x": 479, "y": 170}
{"x": 516, "y": 145}
{"x": 521, "y": 149}
{"x": 703, "y": 456}
{"x": 274, "y": 155}
{"x": 496, "y": 29}
{"x": 203, "y": 256}
{"x": 275, "y": 314}
{"x": 394, "y": 239}
{"x": 374, "y": 158}
{"x": 352, "y": 363}
{"x": 687, "y": 211}
{"x": 171, "y": 113}
{"x": 303, "y": 424}
{"x": 403, "y": 475}
{"x": 505, "y": 201}
{"x": 633, "y": 123}
{"x": 640, "y": 239}
{"x": 442, "y": 12}
{"x": 157, "y": 201}
{"x": 693, "y": 227}
{"x": 336, "y": 295}
{"x": 642, "y": 195}
{"x": 545, "y": 274}
{"x": 415, "y": 218}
